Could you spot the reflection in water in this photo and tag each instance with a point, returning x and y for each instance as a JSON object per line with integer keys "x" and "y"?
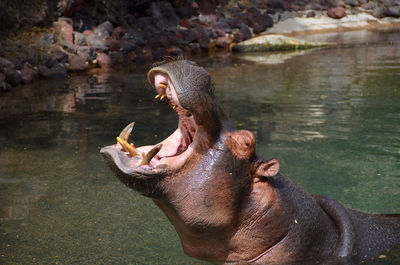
{"x": 332, "y": 118}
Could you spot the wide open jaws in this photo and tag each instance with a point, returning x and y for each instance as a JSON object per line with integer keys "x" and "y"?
{"x": 172, "y": 152}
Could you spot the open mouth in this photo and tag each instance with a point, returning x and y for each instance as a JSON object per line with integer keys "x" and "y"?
{"x": 172, "y": 152}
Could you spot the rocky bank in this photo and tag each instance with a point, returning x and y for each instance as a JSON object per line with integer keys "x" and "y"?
{"x": 50, "y": 38}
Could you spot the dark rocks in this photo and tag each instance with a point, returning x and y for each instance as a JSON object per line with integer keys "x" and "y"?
{"x": 245, "y": 31}
{"x": 47, "y": 40}
{"x": 393, "y": 11}
{"x": 59, "y": 54}
{"x": 79, "y": 39}
{"x": 276, "y": 4}
{"x": 4, "y": 63}
{"x": 136, "y": 31}
{"x": 65, "y": 30}
{"x": 28, "y": 75}
{"x": 164, "y": 15}
{"x": 86, "y": 52}
{"x": 262, "y": 22}
{"x": 223, "y": 26}
{"x": 4, "y": 86}
{"x": 223, "y": 42}
{"x": 380, "y": 12}
{"x": 104, "y": 30}
{"x": 118, "y": 33}
{"x": 336, "y": 12}
{"x": 311, "y": 14}
{"x": 352, "y": 3}
{"x": 77, "y": 63}
{"x": 97, "y": 43}
{"x": 57, "y": 71}
{"x": 104, "y": 61}
{"x": 190, "y": 35}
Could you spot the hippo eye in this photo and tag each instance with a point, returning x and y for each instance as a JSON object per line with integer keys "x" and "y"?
{"x": 188, "y": 114}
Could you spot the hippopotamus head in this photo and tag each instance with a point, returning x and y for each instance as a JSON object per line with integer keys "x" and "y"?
{"x": 225, "y": 202}
{"x": 204, "y": 140}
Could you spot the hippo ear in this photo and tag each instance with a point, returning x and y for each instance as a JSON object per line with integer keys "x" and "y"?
{"x": 266, "y": 169}
{"x": 242, "y": 143}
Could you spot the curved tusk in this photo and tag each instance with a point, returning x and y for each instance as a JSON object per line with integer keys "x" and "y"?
{"x": 147, "y": 157}
{"x": 126, "y": 132}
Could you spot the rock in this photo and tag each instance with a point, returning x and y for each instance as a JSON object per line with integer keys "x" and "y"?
{"x": 97, "y": 43}
{"x": 127, "y": 45}
{"x": 174, "y": 51}
{"x": 242, "y": 18}
{"x": 223, "y": 42}
{"x": 104, "y": 30}
{"x": 187, "y": 23}
{"x": 336, "y": 12}
{"x": 157, "y": 42}
{"x": 221, "y": 25}
{"x": 195, "y": 48}
{"x": 237, "y": 37}
{"x": 135, "y": 37}
{"x": 104, "y": 61}
{"x": 118, "y": 58}
{"x": 164, "y": 15}
{"x": 88, "y": 33}
{"x": 4, "y": 86}
{"x": 190, "y": 35}
{"x": 58, "y": 53}
{"x": 338, "y": 3}
{"x": 262, "y": 22}
{"x": 311, "y": 14}
{"x": 56, "y": 71}
{"x": 48, "y": 59}
{"x": 28, "y": 75}
{"x": 47, "y": 40}
{"x": 70, "y": 47}
{"x": 86, "y": 52}
{"x": 77, "y": 63}
{"x": 352, "y": 3}
{"x": 379, "y": 12}
{"x": 276, "y": 4}
{"x": 79, "y": 39}
{"x": 65, "y": 29}
{"x": 68, "y": 7}
{"x": 254, "y": 11}
{"x": 82, "y": 22}
{"x": 369, "y": 5}
{"x": 13, "y": 77}
{"x": 118, "y": 33}
{"x": 393, "y": 11}
{"x": 4, "y": 63}
{"x": 218, "y": 32}
{"x": 113, "y": 45}
{"x": 207, "y": 19}
{"x": 204, "y": 37}
{"x": 275, "y": 43}
{"x": 245, "y": 31}
{"x": 32, "y": 56}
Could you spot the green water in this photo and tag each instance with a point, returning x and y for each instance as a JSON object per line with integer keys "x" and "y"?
{"x": 331, "y": 117}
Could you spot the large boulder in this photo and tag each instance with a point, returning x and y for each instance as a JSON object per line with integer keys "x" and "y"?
{"x": 275, "y": 43}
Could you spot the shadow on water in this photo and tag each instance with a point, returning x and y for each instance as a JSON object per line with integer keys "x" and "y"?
{"x": 332, "y": 118}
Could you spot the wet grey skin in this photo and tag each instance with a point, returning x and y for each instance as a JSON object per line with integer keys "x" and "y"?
{"x": 230, "y": 205}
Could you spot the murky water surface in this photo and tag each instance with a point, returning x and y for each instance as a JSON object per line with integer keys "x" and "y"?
{"x": 331, "y": 117}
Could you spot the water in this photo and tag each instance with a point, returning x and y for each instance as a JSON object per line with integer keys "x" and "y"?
{"x": 331, "y": 117}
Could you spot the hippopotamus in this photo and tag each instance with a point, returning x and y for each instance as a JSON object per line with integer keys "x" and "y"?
{"x": 227, "y": 203}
